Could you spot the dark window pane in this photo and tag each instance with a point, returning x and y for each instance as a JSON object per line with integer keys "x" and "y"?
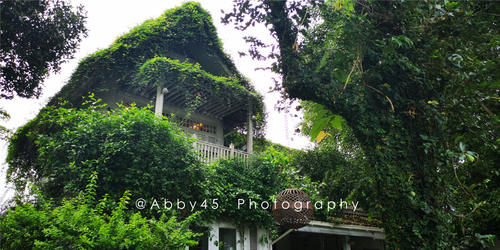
{"x": 227, "y": 237}
{"x": 202, "y": 243}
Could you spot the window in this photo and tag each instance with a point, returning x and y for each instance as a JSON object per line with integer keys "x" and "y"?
{"x": 227, "y": 239}
{"x": 197, "y": 126}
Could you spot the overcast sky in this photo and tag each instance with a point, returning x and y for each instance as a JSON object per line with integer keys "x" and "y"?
{"x": 106, "y": 20}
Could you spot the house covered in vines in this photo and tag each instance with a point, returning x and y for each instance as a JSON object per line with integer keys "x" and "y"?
{"x": 175, "y": 63}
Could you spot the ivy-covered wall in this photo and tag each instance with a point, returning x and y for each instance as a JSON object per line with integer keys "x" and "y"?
{"x": 180, "y": 46}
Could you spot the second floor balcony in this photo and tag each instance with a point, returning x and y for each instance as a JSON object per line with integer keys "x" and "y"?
{"x": 211, "y": 152}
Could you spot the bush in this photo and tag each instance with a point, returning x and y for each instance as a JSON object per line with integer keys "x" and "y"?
{"x": 259, "y": 180}
{"x": 129, "y": 147}
{"x": 83, "y": 223}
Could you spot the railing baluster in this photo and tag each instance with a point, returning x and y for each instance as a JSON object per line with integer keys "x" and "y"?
{"x": 204, "y": 152}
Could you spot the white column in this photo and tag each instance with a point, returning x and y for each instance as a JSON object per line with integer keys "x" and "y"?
{"x": 266, "y": 244}
{"x": 246, "y": 238}
{"x": 231, "y": 149}
{"x": 159, "y": 102}
{"x": 213, "y": 237}
{"x": 239, "y": 241}
{"x": 250, "y": 131}
{"x": 160, "y": 92}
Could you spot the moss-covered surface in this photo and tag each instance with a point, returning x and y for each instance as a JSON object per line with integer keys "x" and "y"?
{"x": 182, "y": 43}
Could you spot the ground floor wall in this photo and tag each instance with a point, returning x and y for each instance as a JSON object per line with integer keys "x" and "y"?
{"x": 228, "y": 236}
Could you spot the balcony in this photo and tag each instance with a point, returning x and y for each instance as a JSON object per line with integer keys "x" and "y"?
{"x": 210, "y": 152}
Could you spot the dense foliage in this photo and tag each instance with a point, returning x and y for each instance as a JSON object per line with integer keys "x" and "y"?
{"x": 337, "y": 161}
{"x": 417, "y": 82}
{"x": 86, "y": 223}
{"x": 132, "y": 149}
{"x": 36, "y": 37}
{"x": 259, "y": 180}
{"x": 339, "y": 176}
{"x": 129, "y": 147}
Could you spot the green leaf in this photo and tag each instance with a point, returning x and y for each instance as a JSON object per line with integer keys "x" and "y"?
{"x": 470, "y": 157}
{"x": 337, "y": 122}
{"x": 318, "y": 126}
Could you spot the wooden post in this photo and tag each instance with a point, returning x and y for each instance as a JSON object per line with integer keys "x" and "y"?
{"x": 250, "y": 130}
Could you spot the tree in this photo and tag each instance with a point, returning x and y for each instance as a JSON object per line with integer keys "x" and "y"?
{"x": 418, "y": 84}
{"x": 36, "y": 37}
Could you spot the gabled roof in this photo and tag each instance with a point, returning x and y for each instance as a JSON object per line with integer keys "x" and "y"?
{"x": 179, "y": 50}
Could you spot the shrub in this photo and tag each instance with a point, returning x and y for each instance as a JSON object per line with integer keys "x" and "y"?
{"x": 83, "y": 223}
{"x": 259, "y": 180}
{"x": 129, "y": 147}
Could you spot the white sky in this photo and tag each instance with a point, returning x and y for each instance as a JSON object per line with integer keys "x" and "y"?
{"x": 107, "y": 20}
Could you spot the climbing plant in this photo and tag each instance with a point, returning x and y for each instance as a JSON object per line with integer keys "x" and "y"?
{"x": 182, "y": 44}
{"x": 199, "y": 86}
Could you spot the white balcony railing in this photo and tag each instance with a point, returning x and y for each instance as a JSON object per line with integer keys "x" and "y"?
{"x": 210, "y": 152}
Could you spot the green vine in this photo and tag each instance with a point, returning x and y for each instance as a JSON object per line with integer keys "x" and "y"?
{"x": 196, "y": 84}
{"x": 186, "y": 34}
